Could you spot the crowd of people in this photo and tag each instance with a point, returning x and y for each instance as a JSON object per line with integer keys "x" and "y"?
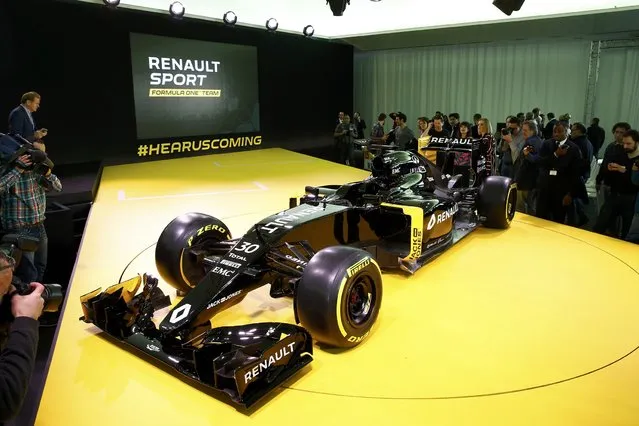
{"x": 23, "y": 189}
{"x": 552, "y": 160}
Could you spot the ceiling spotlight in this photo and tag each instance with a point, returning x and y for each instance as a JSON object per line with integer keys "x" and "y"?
{"x": 338, "y": 6}
{"x": 230, "y": 18}
{"x": 176, "y": 9}
{"x": 309, "y": 31}
{"x": 111, "y": 3}
{"x": 509, "y": 6}
{"x": 272, "y": 24}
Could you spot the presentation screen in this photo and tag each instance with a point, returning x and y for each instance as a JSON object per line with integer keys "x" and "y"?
{"x": 193, "y": 88}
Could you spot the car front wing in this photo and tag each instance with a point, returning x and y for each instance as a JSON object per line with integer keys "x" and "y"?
{"x": 246, "y": 362}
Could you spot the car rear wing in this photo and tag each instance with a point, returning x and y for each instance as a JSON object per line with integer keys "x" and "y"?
{"x": 434, "y": 143}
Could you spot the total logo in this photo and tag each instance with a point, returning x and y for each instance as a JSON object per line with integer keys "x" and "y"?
{"x": 441, "y": 217}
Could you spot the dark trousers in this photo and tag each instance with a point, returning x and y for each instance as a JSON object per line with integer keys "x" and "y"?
{"x": 550, "y": 205}
{"x": 344, "y": 152}
{"x": 33, "y": 264}
{"x": 633, "y": 233}
{"x": 616, "y": 205}
{"x": 577, "y": 213}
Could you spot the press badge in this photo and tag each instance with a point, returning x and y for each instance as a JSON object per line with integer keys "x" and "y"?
{"x": 553, "y": 173}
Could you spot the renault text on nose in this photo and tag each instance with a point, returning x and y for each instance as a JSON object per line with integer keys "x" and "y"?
{"x": 442, "y": 217}
{"x": 276, "y": 357}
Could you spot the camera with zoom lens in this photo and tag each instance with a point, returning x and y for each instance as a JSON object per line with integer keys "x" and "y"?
{"x": 13, "y": 246}
{"x": 52, "y": 294}
{"x": 506, "y": 131}
{"x": 12, "y": 147}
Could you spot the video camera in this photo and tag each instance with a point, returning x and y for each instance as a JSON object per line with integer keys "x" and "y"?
{"x": 13, "y": 245}
{"x": 12, "y": 147}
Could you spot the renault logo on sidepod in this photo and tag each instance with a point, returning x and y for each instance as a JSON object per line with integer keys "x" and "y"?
{"x": 431, "y": 223}
{"x": 442, "y": 217}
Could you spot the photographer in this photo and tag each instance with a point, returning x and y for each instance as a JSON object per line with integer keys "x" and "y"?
{"x": 24, "y": 182}
{"x": 528, "y": 173}
{"x": 513, "y": 141}
{"x": 344, "y": 134}
{"x": 620, "y": 202}
{"x": 19, "y": 342}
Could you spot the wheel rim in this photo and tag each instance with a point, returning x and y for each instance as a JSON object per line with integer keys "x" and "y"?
{"x": 360, "y": 302}
{"x": 189, "y": 263}
{"x": 510, "y": 205}
{"x": 201, "y": 241}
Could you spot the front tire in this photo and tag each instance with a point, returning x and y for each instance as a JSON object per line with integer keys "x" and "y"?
{"x": 176, "y": 265}
{"x": 497, "y": 201}
{"x": 339, "y": 296}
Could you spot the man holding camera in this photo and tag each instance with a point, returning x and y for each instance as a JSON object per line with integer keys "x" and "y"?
{"x": 617, "y": 174}
{"x": 23, "y": 188}
{"x": 344, "y": 134}
{"x": 18, "y": 340}
{"x": 528, "y": 173}
{"x": 513, "y": 141}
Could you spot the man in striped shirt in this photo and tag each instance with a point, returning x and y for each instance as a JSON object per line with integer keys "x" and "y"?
{"x": 23, "y": 202}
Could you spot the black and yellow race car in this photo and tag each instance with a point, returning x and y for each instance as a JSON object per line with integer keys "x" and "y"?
{"x": 326, "y": 251}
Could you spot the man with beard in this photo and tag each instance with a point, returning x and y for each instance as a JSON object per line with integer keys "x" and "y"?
{"x": 560, "y": 166}
{"x": 621, "y": 201}
{"x": 403, "y": 134}
{"x": 611, "y": 183}
{"x": 633, "y": 233}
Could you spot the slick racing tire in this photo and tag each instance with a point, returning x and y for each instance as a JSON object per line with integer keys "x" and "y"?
{"x": 175, "y": 264}
{"x": 339, "y": 296}
{"x": 497, "y": 201}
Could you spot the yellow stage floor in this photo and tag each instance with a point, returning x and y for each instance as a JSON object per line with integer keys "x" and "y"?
{"x": 536, "y": 325}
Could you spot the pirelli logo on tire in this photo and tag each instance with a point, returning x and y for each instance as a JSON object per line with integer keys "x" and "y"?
{"x": 358, "y": 267}
{"x": 209, "y": 227}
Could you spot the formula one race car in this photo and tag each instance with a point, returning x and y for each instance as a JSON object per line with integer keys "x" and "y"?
{"x": 326, "y": 252}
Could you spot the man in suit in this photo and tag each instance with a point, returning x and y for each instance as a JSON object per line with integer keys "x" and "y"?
{"x": 560, "y": 169}
{"x": 548, "y": 130}
{"x": 596, "y": 135}
{"x": 21, "y": 120}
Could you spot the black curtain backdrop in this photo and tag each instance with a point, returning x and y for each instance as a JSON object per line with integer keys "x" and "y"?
{"x": 77, "y": 56}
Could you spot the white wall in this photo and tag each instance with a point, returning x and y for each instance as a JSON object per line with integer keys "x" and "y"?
{"x": 495, "y": 80}
{"x": 617, "y": 95}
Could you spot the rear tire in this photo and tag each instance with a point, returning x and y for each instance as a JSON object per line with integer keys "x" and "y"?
{"x": 339, "y": 296}
{"x": 176, "y": 266}
{"x": 497, "y": 201}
